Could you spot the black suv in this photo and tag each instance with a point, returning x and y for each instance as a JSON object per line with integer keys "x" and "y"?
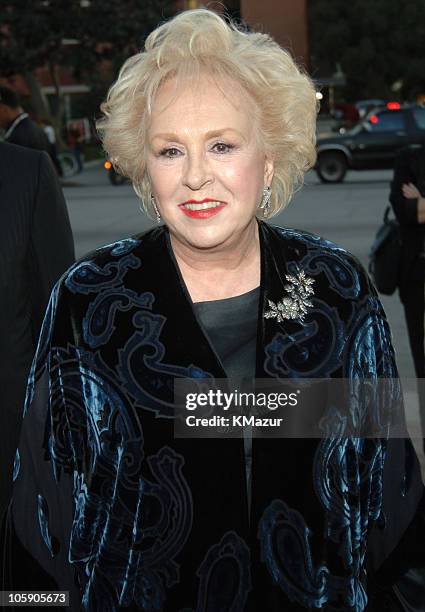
{"x": 371, "y": 144}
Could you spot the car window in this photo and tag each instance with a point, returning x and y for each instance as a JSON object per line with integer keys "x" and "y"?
{"x": 388, "y": 121}
{"x": 419, "y": 117}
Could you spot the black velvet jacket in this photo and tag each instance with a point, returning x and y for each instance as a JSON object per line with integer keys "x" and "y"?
{"x": 121, "y": 513}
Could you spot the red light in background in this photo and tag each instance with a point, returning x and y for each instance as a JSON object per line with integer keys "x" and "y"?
{"x": 373, "y": 119}
{"x": 107, "y": 164}
{"x": 393, "y": 105}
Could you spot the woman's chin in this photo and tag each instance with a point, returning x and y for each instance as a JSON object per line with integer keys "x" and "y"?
{"x": 209, "y": 241}
{"x": 202, "y": 237}
{"x": 212, "y": 236}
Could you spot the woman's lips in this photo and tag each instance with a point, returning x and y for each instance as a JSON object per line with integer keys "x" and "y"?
{"x": 203, "y": 209}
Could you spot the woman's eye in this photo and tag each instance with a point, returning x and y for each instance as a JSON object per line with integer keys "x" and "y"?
{"x": 171, "y": 152}
{"x": 222, "y": 147}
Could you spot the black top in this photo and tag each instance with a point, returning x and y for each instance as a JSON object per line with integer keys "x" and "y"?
{"x": 231, "y": 326}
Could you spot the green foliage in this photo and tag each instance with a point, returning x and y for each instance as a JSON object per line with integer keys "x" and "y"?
{"x": 79, "y": 34}
{"x": 376, "y": 43}
{"x": 116, "y": 29}
{"x": 32, "y": 31}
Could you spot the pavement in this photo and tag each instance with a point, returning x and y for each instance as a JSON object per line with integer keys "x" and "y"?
{"x": 348, "y": 213}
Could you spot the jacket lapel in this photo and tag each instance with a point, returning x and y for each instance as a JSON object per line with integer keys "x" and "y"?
{"x": 182, "y": 334}
{"x": 275, "y": 339}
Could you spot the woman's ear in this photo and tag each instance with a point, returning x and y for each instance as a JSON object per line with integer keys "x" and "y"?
{"x": 268, "y": 170}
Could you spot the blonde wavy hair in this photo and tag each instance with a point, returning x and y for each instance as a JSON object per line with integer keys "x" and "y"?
{"x": 197, "y": 42}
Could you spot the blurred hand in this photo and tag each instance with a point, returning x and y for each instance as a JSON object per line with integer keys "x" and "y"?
{"x": 410, "y": 191}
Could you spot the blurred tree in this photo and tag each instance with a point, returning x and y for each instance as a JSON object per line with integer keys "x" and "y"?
{"x": 111, "y": 32}
{"x": 376, "y": 43}
{"x": 115, "y": 30}
{"x": 31, "y": 35}
{"x": 74, "y": 33}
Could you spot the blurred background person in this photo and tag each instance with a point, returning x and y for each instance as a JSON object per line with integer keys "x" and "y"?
{"x": 36, "y": 247}
{"x": 19, "y": 128}
{"x": 75, "y": 143}
{"x": 49, "y": 130}
{"x": 407, "y": 198}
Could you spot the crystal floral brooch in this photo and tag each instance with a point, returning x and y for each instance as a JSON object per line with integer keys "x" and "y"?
{"x": 295, "y": 305}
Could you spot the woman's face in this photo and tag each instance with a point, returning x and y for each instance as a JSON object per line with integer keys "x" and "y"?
{"x": 206, "y": 167}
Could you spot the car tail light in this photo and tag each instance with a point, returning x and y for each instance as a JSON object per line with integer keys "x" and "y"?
{"x": 373, "y": 119}
{"x": 393, "y": 105}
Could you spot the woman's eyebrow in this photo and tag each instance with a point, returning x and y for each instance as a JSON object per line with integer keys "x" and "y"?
{"x": 208, "y": 135}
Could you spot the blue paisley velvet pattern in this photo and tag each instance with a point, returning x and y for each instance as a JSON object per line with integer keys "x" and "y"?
{"x": 143, "y": 551}
{"x": 43, "y": 346}
{"x": 151, "y": 516}
{"x": 98, "y": 324}
{"x": 122, "y": 247}
{"x": 94, "y": 433}
{"x": 17, "y": 464}
{"x": 156, "y": 392}
{"x": 285, "y": 538}
{"x": 87, "y": 277}
{"x": 347, "y": 472}
{"x": 111, "y": 518}
{"x": 325, "y": 256}
{"x": 312, "y": 352}
{"x": 224, "y": 574}
{"x": 43, "y": 521}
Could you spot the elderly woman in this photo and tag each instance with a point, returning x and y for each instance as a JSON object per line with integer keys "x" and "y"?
{"x": 215, "y": 128}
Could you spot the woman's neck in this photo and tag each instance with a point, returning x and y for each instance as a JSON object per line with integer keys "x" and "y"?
{"x": 222, "y": 272}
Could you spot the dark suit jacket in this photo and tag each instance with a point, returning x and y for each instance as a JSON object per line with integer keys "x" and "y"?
{"x": 28, "y": 134}
{"x": 409, "y": 168}
{"x": 36, "y": 247}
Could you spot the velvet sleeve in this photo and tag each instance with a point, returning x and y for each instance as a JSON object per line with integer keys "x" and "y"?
{"x": 396, "y": 539}
{"x": 42, "y": 507}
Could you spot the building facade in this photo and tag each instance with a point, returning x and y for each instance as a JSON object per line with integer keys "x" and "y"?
{"x": 285, "y": 20}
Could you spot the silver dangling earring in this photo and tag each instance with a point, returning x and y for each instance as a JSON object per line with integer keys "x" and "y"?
{"x": 155, "y": 207}
{"x": 265, "y": 202}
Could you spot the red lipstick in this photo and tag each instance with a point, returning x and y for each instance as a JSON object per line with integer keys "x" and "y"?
{"x": 201, "y": 213}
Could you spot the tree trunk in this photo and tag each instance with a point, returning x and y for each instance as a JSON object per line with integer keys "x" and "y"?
{"x": 54, "y": 75}
{"x": 38, "y": 99}
{"x": 60, "y": 103}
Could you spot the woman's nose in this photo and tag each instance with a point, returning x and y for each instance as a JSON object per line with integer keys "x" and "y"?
{"x": 197, "y": 172}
